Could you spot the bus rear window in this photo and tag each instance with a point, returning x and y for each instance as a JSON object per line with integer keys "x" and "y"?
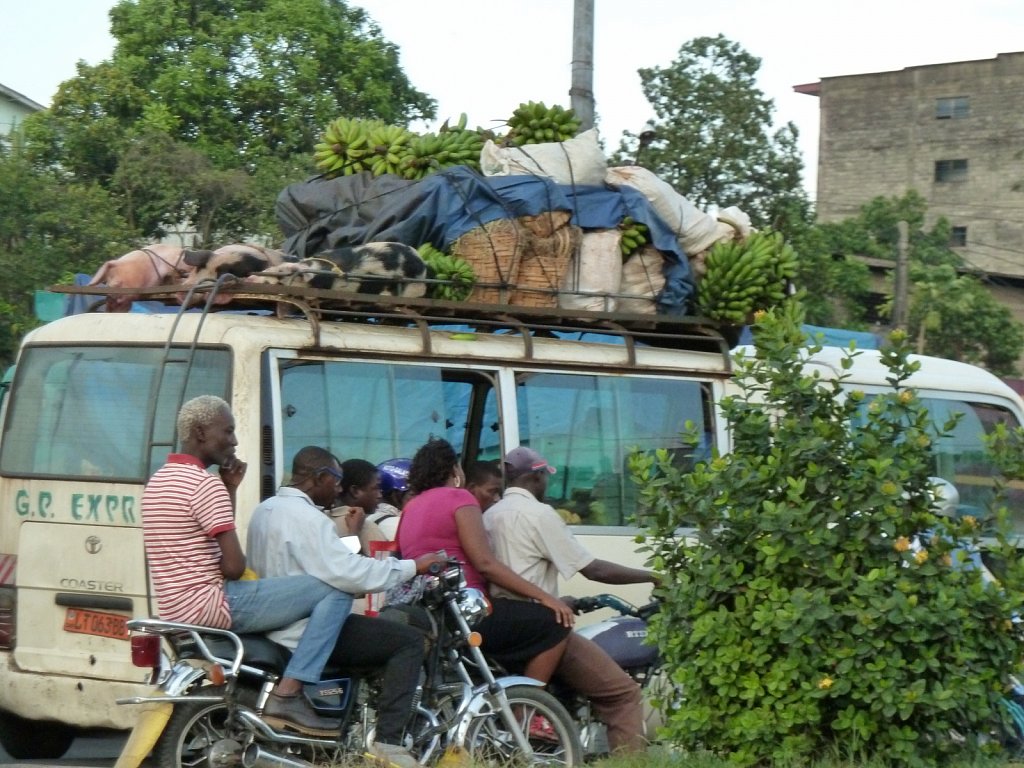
{"x": 86, "y": 411}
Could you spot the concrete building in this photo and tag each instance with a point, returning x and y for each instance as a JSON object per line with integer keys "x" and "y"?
{"x": 953, "y": 132}
{"x": 14, "y": 107}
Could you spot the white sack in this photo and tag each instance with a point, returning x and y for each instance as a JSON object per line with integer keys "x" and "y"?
{"x": 643, "y": 276}
{"x": 738, "y": 220}
{"x": 594, "y": 273}
{"x": 695, "y": 229}
{"x": 576, "y": 161}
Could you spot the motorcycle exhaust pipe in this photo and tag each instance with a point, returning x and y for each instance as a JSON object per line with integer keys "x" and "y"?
{"x": 255, "y": 756}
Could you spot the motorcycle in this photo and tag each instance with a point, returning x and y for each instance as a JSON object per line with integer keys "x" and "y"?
{"x": 623, "y": 637}
{"x": 212, "y": 686}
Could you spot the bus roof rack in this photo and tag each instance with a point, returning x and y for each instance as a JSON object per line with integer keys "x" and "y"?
{"x": 318, "y": 306}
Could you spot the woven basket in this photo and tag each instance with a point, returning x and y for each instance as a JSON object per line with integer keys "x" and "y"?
{"x": 495, "y": 252}
{"x": 546, "y": 223}
{"x": 544, "y": 262}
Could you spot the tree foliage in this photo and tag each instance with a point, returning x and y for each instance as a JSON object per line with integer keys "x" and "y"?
{"x": 208, "y": 108}
{"x": 50, "y": 229}
{"x": 164, "y": 184}
{"x": 837, "y": 288}
{"x": 951, "y": 314}
{"x": 237, "y": 81}
{"x": 803, "y": 619}
{"x": 713, "y": 141}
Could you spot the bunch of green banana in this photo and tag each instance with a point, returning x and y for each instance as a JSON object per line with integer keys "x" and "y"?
{"x": 634, "y": 236}
{"x": 784, "y": 266}
{"x": 459, "y": 274}
{"x": 388, "y": 145}
{"x": 459, "y": 147}
{"x": 459, "y": 126}
{"x": 434, "y": 151}
{"x": 420, "y": 157}
{"x": 344, "y": 147}
{"x": 536, "y": 123}
{"x": 745, "y": 276}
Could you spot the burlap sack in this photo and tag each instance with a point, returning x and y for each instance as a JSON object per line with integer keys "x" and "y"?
{"x": 642, "y": 281}
{"x": 591, "y": 279}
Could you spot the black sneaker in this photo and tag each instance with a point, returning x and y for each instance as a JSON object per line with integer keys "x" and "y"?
{"x": 296, "y": 713}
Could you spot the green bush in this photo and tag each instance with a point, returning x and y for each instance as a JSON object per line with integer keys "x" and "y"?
{"x": 821, "y": 606}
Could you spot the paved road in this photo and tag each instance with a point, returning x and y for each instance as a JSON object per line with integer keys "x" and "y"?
{"x": 93, "y": 750}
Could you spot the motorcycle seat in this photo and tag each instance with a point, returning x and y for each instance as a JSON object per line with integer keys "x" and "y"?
{"x": 257, "y": 651}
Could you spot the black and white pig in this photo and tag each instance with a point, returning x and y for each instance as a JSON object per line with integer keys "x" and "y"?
{"x": 238, "y": 259}
{"x": 392, "y": 269}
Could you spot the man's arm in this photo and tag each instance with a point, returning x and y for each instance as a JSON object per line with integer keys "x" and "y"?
{"x": 232, "y": 559}
{"x": 612, "y": 573}
{"x": 315, "y": 546}
{"x": 231, "y": 475}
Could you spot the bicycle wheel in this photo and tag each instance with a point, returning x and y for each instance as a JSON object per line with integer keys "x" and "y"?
{"x": 551, "y": 732}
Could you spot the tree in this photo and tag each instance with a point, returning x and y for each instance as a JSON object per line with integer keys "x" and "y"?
{"x": 238, "y": 81}
{"x": 837, "y": 287}
{"x": 208, "y": 108}
{"x": 165, "y": 184}
{"x": 821, "y": 605}
{"x": 951, "y": 313}
{"x": 712, "y": 139}
{"x": 49, "y": 230}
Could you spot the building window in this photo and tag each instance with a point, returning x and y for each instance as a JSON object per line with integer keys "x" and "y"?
{"x": 952, "y": 108}
{"x": 958, "y": 237}
{"x": 950, "y": 170}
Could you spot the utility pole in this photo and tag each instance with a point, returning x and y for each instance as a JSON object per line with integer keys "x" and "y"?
{"x": 581, "y": 93}
{"x": 901, "y": 289}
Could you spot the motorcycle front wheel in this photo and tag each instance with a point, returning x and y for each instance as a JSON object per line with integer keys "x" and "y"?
{"x": 549, "y": 728}
{"x": 193, "y": 732}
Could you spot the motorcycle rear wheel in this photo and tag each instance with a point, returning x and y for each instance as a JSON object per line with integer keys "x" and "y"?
{"x": 192, "y": 731}
{"x": 551, "y": 732}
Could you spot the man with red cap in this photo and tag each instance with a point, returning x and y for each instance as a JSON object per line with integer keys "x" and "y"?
{"x": 531, "y": 538}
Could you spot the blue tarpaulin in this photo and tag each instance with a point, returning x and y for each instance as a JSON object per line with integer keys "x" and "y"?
{"x": 828, "y": 337}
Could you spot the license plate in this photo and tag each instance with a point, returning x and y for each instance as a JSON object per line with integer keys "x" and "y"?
{"x": 96, "y": 623}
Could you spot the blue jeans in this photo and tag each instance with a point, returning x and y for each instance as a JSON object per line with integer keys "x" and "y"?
{"x": 265, "y": 604}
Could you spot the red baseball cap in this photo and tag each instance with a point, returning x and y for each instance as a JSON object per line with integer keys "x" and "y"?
{"x": 523, "y": 459}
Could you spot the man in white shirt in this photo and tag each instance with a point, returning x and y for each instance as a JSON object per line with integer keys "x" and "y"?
{"x": 290, "y": 534}
{"x": 531, "y": 538}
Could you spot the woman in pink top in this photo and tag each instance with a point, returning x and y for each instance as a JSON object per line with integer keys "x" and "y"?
{"x": 527, "y": 635}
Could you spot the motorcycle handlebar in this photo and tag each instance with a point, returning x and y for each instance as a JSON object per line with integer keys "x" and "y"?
{"x": 435, "y": 568}
{"x": 596, "y": 602}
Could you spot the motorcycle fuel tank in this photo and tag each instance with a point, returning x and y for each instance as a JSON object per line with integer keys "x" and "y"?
{"x": 623, "y": 638}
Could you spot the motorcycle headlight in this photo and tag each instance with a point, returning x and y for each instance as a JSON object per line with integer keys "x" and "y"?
{"x": 473, "y": 605}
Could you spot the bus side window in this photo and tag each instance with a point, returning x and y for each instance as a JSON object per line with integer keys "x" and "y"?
{"x": 588, "y": 425}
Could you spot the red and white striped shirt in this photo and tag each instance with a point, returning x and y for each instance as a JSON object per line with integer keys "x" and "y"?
{"x": 183, "y": 508}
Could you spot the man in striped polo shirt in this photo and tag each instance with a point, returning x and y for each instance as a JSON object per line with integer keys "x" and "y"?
{"x": 195, "y": 560}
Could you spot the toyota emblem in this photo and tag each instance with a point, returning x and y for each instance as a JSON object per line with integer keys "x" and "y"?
{"x": 93, "y": 545}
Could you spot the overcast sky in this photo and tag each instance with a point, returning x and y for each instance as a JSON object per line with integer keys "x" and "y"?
{"x": 484, "y": 57}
